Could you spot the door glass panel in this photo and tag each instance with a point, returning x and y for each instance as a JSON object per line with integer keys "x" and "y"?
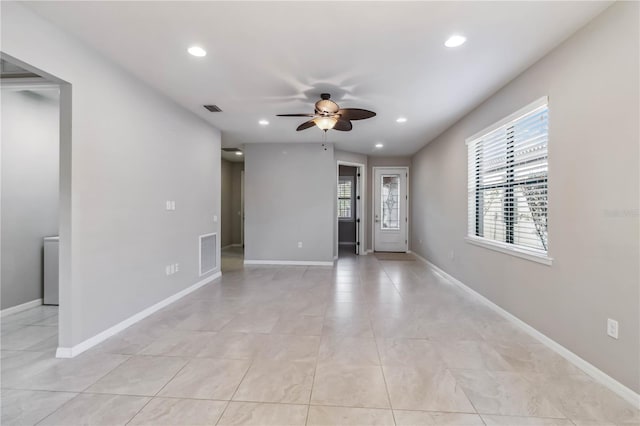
{"x": 390, "y": 198}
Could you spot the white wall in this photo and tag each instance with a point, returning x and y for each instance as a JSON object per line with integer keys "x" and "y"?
{"x": 30, "y": 158}
{"x": 593, "y": 88}
{"x": 126, "y": 151}
{"x": 289, "y": 197}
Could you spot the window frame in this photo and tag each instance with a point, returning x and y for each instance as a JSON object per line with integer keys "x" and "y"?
{"x": 352, "y": 199}
{"x": 540, "y": 256}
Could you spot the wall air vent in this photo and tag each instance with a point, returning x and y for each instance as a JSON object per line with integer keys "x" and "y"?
{"x": 213, "y": 108}
{"x": 231, "y": 149}
{"x": 208, "y": 248}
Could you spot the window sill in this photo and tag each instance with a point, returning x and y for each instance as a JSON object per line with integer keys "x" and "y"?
{"x": 513, "y": 251}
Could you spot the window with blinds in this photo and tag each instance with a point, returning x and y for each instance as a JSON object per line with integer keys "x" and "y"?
{"x": 508, "y": 176}
{"x": 345, "y": 197}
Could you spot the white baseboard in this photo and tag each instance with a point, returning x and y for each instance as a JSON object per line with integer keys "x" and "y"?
{"x": 288, "y": 262}
{"x": 71, "y": 352}
{"x": 590, "y": 369}
{"x": 20, "y": 308}
{"x": 368, "y": 251}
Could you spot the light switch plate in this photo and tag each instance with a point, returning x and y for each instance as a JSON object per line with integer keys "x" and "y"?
{"x": 612, "y": 328}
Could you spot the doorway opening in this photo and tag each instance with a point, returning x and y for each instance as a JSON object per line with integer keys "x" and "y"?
{"x": 390, "y": 209}
{"x": 35, "y": 204}
{"x": 232, "y": 209}
{"x": 350, "y": 202}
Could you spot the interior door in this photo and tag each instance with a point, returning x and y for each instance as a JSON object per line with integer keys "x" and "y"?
{"x": 390, "y": 209}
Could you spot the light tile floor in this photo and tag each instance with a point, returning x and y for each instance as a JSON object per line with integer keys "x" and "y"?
{"x": 364, "y": 342}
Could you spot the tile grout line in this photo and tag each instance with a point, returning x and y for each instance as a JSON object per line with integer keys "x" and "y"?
{"x": 236, "y": 389}
{"x": 58, "y": 409}
{"x": 159, "y": 390}
{"x": 384, "y": 378}
{"x": 315, "y": 368}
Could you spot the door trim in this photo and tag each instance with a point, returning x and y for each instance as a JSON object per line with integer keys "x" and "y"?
{"x": 373, "y": 205}
{"x": 360, "y": 210}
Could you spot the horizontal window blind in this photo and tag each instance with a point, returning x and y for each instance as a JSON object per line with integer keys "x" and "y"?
{"x": 345, "y": 197}
{"x": 507, "y": 186}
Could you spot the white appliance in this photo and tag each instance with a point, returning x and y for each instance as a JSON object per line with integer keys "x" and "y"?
{"x": 51, "y": 270}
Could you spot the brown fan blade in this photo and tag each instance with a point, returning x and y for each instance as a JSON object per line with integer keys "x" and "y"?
{"x": 343, "y": 125}
{"x": 306, "y": 125}
{"x": 296, "y": 115}
{"x": 355, "y": 114}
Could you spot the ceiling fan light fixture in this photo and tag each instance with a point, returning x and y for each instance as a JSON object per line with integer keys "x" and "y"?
{"x": 325, "y": 123}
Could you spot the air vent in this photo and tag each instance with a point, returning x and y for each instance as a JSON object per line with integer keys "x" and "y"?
{"x": 208, "y": 247}
{"x": 231, "y": 149}
{"x": 213, "y": 108}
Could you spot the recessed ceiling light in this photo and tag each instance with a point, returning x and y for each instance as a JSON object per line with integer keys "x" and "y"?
{"x": 238, "y": 153}
{"x": 197, "y": 51}
{"x": 263, "y": 122}
{"x": 455, "y": 41}
{"x": 379, "y": 145}
{"x": 401, "y": 120}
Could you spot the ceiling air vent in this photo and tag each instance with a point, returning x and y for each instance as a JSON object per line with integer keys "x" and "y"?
{"x": 213, "y": 108}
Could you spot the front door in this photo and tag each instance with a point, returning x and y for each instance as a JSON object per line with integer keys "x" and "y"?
{"x": 390, "y": 209}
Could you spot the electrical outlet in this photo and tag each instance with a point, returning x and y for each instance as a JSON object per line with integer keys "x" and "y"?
{"x": 173, "y": 205}
{"x": 299, "y": 244}
{"x": 177, "y": 267}
{"x": 167, "y": 270}
{"x": 612, "y": 328}
{"x": 215, "y": 218}
{"x": 168, "y": 205}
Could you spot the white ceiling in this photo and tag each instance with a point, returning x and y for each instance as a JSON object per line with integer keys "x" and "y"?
{"x": 268, "y": 58}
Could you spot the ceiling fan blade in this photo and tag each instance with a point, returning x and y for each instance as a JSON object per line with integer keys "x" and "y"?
{"x": 306, "y": 125}
{"x": 355, "y": 114}
{"x": 343, "y": 125}
{"x": 296, "y": 115}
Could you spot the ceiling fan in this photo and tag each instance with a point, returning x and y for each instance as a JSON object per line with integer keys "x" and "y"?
{"x": 328, "y": 115}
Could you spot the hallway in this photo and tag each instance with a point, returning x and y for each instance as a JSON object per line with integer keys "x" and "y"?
{"x": 364, "y": 342}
